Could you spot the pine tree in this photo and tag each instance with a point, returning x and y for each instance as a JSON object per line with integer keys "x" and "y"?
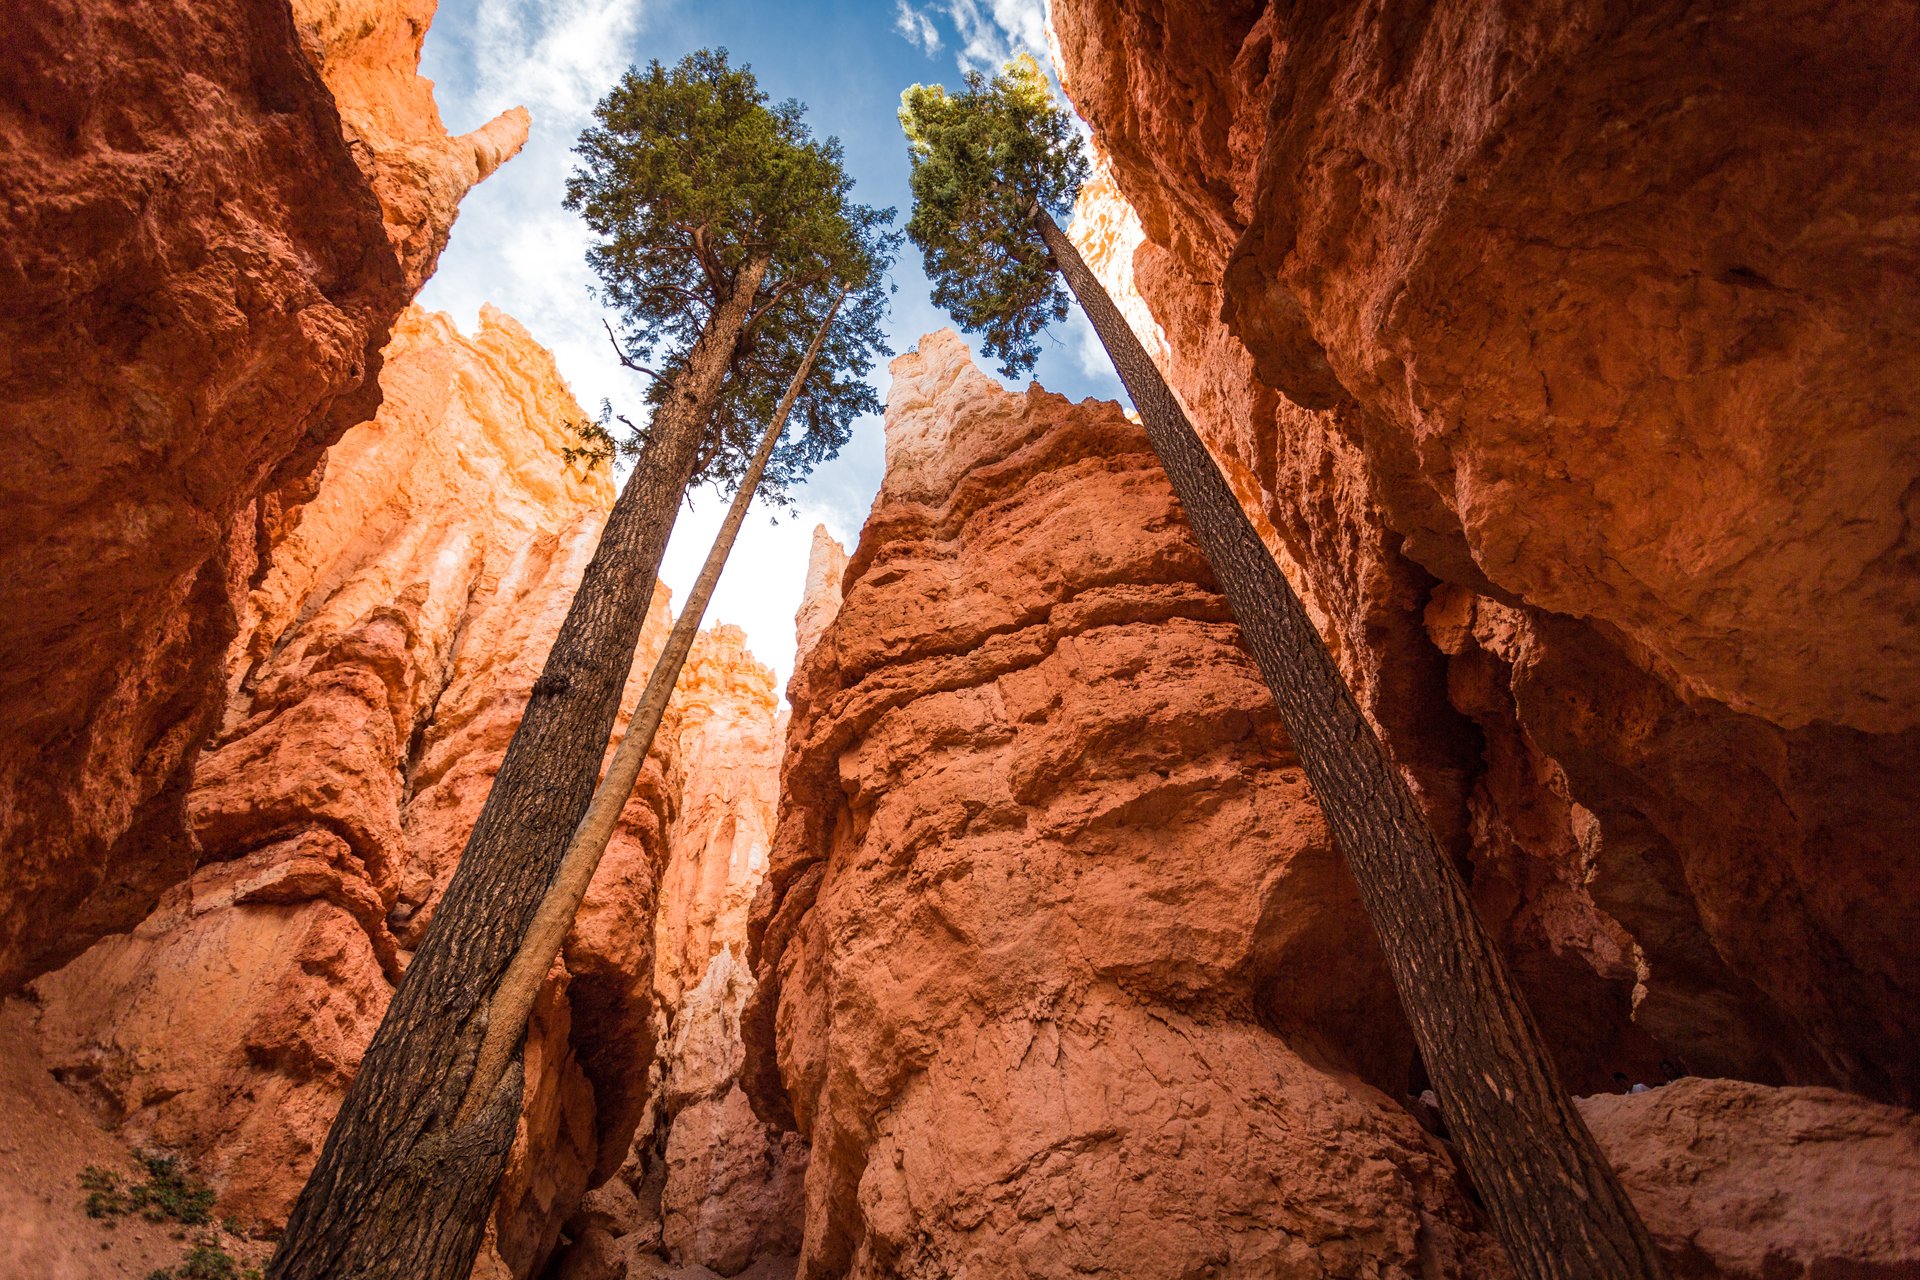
{"x": 718, "y": 216}
{"x": 994, "y": 166}
{"x": 513, "y": 998}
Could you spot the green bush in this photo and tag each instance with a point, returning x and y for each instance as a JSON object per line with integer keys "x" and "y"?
{"x": 207, "y": 1261}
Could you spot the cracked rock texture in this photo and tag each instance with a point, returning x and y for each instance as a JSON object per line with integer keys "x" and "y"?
{"x": 382, "y": 667}
{"x": 1052, "y": 923}
{"x": 213, "y": 216}
{"x": 1746, "y": 1182}
{"x": 1562, "y": 353}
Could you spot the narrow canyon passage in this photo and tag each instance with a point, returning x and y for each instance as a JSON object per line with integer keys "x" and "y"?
{"x": 984, "y": 924}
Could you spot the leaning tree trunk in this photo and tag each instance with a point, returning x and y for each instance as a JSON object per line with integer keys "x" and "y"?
{"x": 513, "y": 998}
{"x": 401, "y": 1191}
{"x": 1554, "y": 1199}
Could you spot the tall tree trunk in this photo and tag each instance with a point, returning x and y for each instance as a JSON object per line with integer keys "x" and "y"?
{"x": 513, "y": 999}
{"x": 401, "y": 1191}
{"x": 1554, "y": 1199}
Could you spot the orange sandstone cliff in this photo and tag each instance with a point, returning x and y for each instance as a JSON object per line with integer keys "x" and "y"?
{"x": 1564, "y": 351}
{"x": 213, "y": 216}
{"x": 1563, "y": 356}
{"x": 382, "y": 667}
{"x": 1058, "y": 971}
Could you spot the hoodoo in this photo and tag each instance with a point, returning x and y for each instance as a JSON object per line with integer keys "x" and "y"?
{"x": 993, "y": 922}
{"x": 1028, "y": 752}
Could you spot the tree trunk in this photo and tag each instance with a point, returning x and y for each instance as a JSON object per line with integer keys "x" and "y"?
{"x": 1553, "y": 1198}
{"x": 401, "y": 1192}
{"x": 513, "y": 999}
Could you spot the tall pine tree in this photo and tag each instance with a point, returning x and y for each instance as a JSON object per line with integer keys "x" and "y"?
{"x": 719, "y": 217}
{"x": 994, "y": 166}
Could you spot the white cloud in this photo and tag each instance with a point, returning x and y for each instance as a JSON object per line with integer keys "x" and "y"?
{"x": 1085, "y": 344}
{"x": 992, "y": 31}
{"x": 917, "y": 27}
{"x": 557, "y": 54}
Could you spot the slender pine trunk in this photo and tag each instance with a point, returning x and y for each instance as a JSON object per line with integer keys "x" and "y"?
{"x": 402, "y": 1191}
{"x": 1554, "y": 1200}
{"x": 513, "y": 999}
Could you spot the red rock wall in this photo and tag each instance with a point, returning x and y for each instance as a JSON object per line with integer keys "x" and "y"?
{"x": 383, "y": 665}
{"x": 1580, "y": 335}
{"x": 213, "y": 215}
{"x": 1744, "y": 1182}
{"x": 707, "y": 1183}
{"x": 1057, "y": 967}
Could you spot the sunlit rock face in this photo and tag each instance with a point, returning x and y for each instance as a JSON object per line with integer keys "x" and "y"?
{"x": 820, "y": 599}
{"x": 707, "y": 1183}
{"x": 368, "y": 53}
{"x": 383, "y": 665}
{"x": 1052, "y": 918}
{"x": 1564, "y": 351}
{"x": 732, "y": 1190}
{"x": 729, "y": 729}
{"x": 214, "y": 215}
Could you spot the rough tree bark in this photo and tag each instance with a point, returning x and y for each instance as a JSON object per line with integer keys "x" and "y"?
{"x": 401, "y": 1191}
{"x": 513, "y": 998}
{"x": 1554, "y": 1200}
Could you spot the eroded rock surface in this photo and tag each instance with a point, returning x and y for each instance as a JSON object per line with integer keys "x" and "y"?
{"x": 707, "y": 1184}
{"x": 384, "y": 663}
{"x": 732, "y": 1189}
{"x": 1749, "y": 1183}
{"x": 1048, "y": 882}
{"x": 1581, "y": 332}
{"x": 214, "y": 215}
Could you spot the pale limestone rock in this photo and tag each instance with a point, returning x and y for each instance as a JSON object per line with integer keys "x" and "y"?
{"x": 826, "y": 565}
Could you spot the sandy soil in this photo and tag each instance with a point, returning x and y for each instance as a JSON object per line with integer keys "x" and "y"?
{"x": 47, "y": 1136}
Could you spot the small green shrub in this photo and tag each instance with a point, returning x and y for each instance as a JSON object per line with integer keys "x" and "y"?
{"x": 105, "y": 1197}
{"x": 168, "y": 1194}
{"x": 207, "y": 1261}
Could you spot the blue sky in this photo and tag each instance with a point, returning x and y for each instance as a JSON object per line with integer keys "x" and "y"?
{"x": 514, "y": 246}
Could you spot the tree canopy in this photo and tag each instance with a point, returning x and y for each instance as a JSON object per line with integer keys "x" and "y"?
{"x": 689, "y": 174}
{"x": 982, "y": 160}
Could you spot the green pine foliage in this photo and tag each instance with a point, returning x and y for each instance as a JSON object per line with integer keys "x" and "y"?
{"x": 688, "y": 175}
{"x": 983, "y": 159}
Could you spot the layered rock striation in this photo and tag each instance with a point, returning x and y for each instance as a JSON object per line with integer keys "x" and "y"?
{"x": 1562, "y": 353}
{"x": 382, "y": 667}
{"x": 1058, "y": 971}
{"x": 214, "y": 215}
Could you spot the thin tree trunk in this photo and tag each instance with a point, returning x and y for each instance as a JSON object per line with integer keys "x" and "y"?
{"x": 1555, "y": 1201}
{"x": 401, "y": 1192}
{"x": 513, "y": 999}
